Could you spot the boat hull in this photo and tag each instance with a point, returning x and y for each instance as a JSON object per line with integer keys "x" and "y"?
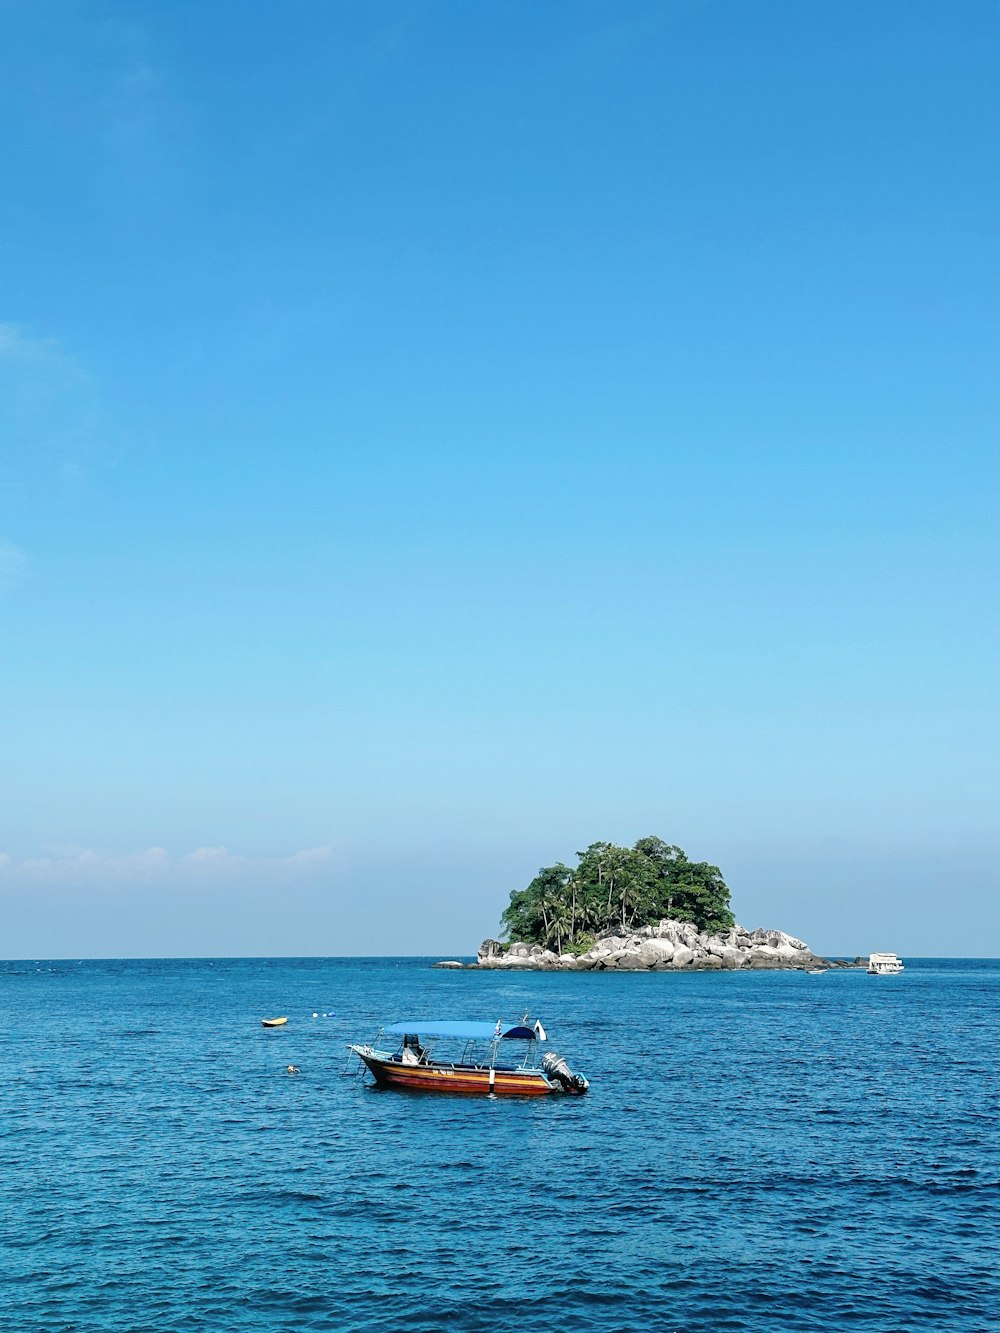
{"x": 464, "y": 1080}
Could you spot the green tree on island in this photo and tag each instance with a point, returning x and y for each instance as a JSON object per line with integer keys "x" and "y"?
{"x": 617, "y": 888}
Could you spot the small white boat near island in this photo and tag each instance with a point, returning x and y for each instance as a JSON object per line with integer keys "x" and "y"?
{"x": 884, "y": 965}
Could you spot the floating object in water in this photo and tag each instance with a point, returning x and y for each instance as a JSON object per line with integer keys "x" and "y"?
{"x": 292, "y": 1069}
{"x": 273, "y": 1022}
{"x": 315, "y": 1015}
{"x": 489, "y": 1071}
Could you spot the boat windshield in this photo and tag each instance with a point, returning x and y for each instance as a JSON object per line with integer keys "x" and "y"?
{"x": 469, "y": 1045}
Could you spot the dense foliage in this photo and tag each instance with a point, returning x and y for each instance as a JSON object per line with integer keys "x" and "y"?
{"x": 616, "y": 888}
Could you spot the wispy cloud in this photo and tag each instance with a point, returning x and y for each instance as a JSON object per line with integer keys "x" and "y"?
{"x": 49, "y": 413}
{"x": 16, "y": 345}
{"x": 85, "y": 867}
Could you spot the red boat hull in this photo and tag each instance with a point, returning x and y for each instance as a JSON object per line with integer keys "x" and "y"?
{"x": 462, "y": 1079}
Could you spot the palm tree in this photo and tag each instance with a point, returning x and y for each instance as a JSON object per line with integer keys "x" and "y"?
{"x": 560, "y": 923}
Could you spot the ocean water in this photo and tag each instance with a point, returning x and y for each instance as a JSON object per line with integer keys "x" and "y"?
{"x": 765, "y": 1151}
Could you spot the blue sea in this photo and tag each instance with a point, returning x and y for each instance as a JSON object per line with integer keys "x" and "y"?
{"x": 760, "y": 1151}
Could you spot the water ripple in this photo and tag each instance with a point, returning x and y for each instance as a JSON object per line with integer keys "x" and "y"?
{"x": 768, "y": 1152}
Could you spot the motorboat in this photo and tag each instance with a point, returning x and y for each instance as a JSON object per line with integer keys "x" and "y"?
{"x": 486, "y": 1059}
{"x": 884, "y": 965}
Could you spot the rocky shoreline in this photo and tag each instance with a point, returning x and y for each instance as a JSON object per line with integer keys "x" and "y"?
{"x": 669, "y": 946}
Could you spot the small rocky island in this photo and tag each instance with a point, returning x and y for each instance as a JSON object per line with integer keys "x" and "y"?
{"x": 667, "y": 946}
{"x": 635, "y": 909}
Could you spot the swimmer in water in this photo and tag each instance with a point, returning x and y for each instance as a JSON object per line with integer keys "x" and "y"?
{"x": 292, "y": 1069}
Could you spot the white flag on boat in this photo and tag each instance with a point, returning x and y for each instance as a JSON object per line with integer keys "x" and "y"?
{"x": 539, "y": 1031}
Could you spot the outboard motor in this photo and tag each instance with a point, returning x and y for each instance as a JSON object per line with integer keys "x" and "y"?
{"x": 555, "y": 1067}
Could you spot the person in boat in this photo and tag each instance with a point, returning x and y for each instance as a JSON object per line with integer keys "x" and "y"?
{"x": 412, "y": 1053}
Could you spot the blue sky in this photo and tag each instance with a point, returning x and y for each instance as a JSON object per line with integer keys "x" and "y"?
{"x": 434, "y": 437}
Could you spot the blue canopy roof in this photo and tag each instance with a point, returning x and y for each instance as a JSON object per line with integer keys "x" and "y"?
{"x": 425, "y": 1027}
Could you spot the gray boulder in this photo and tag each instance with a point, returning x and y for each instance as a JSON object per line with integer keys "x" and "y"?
{"x": 765, "y": 953}
{"x": 734, "y": 958}
{"x": 655, "y": 952}
{"x": 632, "y": 961}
